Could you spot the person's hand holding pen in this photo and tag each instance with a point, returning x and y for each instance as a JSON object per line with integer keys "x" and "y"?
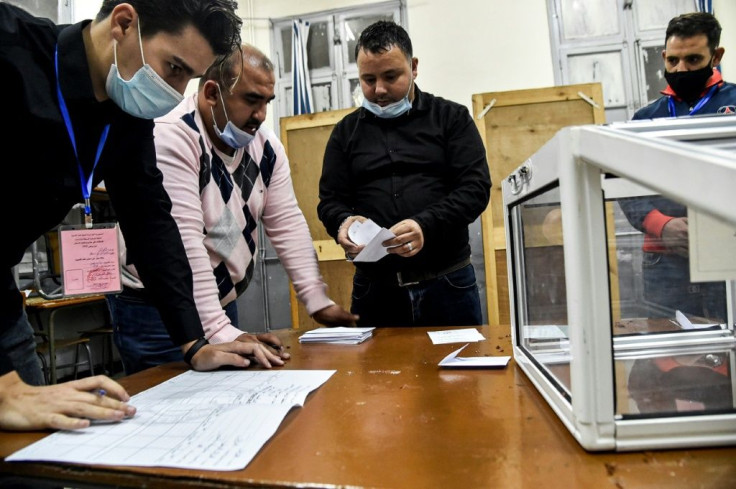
{"x": 65, "y": 406}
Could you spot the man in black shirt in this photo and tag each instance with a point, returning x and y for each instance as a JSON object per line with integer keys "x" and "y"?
{"x": 413, "y": 163}
{"x": 81, "y": 99}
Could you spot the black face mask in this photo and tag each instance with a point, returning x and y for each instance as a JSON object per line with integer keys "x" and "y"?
{"x": 688, "y": 85}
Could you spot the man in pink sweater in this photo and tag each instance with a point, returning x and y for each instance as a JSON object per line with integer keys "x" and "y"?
{"x": 225, "y": 175}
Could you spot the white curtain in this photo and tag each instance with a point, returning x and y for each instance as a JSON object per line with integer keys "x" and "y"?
{"x": 302, "y": 86}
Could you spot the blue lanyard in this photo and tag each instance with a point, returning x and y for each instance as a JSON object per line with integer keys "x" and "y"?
{"x": 86, "y": 182}
{"x": 698, "y": 106}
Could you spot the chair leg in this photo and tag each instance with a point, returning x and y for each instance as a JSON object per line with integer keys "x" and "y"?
{"x": 89, "y": 360}
{"x": 44, "y": 367}
{"x": 110, "y": 354}
{"x": 76, "y": 360}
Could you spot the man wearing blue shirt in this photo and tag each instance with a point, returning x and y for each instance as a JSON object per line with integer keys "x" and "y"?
{"x": 694, "y": 88}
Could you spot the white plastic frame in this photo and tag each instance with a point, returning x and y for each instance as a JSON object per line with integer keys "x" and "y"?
{"x": 691, "y": 160}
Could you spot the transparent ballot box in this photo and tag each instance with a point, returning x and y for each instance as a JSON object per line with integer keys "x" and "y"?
{"x": 621, "y": 245}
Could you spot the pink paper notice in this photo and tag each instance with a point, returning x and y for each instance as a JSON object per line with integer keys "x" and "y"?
{"x": 89, "y": 260}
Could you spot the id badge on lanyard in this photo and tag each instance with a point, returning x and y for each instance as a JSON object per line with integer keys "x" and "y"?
{"x": 90, "y": 261}
{"x": 89, "y": 253}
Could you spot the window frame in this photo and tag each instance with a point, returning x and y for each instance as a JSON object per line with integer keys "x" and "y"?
{"x": 340, "y": 73}
{"x": 631, "y": 40}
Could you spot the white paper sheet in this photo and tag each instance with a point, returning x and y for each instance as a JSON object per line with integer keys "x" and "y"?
{"x": 464, "y": 335}
{"x": 197, "y": 420}
{"x": 361, "y": 233}
{"x": 371, "y": 235}
{"x": 453, "y": 361}
{"x": 545, "y": 332}
{"x": 685, "y": 323}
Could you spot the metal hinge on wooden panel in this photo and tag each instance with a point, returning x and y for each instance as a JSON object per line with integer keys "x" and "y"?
{"x": 589, "y": 100}
{"x": 486, "y": 109}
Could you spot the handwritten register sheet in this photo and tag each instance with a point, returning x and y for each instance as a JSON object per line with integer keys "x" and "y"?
{"x": 196, "y": 420}
{"x": 89, "y": 259}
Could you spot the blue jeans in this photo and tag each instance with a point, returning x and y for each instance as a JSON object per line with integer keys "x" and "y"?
{"x": 140, "y": 335}
{"x": 448, "y": 300}
{"x": 667, "y": 288}
{"x": 18, "y": 350}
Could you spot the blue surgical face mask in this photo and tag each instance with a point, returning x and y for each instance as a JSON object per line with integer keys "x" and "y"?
{"x": 391, "y": 110}
{"x": 232, "y": 135}
{"x": 146, "y": 94}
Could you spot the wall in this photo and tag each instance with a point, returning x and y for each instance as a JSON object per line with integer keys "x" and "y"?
{"x": 464, "y": 47}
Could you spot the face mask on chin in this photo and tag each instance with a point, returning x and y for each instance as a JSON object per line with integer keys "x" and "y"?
{"x": 232, "y": 135}
{"x": 688, "y": 85}
{"x": 391, "y": 110}
{"x": 146, "y": 94}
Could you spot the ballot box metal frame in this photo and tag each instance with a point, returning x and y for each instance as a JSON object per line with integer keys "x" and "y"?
{"x": 677, "y": 158}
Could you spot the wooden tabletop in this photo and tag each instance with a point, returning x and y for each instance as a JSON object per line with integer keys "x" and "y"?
{"x": 41, "y": 303}
{"x": 390, "y": 418}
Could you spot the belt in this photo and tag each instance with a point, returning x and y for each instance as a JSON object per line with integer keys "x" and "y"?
{"x": 412, "y": 277}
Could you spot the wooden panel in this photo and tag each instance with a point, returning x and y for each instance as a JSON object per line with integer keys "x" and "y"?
{"x": 513, "y": 126}
{"x": 514, "y": 133}
{"x": 305, "y": 138}
{"x": 613, "y": 279}
{"x": 502, "y": 286}
{"x": 328, "y": 250}
{"x": 338, "y": 275}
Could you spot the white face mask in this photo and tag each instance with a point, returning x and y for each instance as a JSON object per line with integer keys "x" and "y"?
{"x": 391, "y": 110}
{"x": 232, "y": 135}
{"x": 146, "y": 94}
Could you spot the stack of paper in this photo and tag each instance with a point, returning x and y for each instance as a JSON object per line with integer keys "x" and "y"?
{"x": 339, "y": 336}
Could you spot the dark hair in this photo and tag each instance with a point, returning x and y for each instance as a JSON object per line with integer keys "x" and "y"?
{"x": 228, "y": 72}
{"x": 216, "y": 20}
{"x": 692, "y": 24}
{"x": 381, "y": 36}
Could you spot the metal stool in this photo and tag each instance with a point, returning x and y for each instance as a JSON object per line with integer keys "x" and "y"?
{"x": 35, "y": 306}
{"x": 108, "y": 356}
{"x": 44, "y": 348}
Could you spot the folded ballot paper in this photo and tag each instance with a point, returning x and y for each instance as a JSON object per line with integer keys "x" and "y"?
{"x": 371, "y": 235}
{"x": 340, "y": 335}
{"x": 454, "y": 361}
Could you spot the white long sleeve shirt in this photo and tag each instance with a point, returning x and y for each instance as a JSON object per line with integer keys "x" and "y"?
{"x": 218, "y": 202}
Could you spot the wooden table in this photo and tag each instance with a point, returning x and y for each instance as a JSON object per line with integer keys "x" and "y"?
{"x": 390, "y": 418}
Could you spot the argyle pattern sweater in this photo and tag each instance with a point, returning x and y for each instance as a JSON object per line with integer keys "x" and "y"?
{"x": 218, "y": 202}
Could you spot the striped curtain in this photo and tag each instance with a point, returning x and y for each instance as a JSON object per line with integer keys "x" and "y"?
{"x": 302, "y": 86}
